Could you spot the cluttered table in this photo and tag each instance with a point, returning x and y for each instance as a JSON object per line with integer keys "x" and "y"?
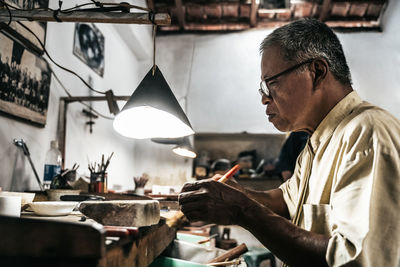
{"x": 76, "y": 240}
{"x": 62, "y": 227}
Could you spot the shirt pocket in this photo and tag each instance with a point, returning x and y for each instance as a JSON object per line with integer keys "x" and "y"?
{"x": 317, "y": 218}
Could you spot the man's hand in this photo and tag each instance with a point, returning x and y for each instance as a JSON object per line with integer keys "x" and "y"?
{"x": 232, "y": 182}
{"x": 212, "y": 201}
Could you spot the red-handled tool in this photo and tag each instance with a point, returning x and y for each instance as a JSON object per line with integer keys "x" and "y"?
{"x": 229, "y": 174}
{"x": 172, "y": 222}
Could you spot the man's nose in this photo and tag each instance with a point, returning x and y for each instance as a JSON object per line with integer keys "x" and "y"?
{"x": 265, "y": 99}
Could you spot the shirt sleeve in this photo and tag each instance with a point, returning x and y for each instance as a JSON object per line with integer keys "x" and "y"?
{"x": 365, "y": 198}
{"x": 290, "y": 188}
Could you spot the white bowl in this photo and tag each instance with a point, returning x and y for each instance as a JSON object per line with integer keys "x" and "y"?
{"x": 26, "y": 198}
{"x": 53, "y": 208}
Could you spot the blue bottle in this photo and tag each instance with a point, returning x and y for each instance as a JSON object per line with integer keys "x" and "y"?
{"x": 52, "y": 164}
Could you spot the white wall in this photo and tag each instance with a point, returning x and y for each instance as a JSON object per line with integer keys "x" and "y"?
{"x": 216, "y": 76}
{"x": 225, "y": 73}
{"x": 127, "y": 60}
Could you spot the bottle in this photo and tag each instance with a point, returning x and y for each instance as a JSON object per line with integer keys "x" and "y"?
{"x": 52, "y": 164}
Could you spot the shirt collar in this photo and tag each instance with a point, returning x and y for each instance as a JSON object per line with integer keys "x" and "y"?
{"x": 334, "y": 117}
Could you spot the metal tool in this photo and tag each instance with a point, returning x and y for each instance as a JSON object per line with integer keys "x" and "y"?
{"x": 81, "y": 197}
{"x": 20, "y": 143}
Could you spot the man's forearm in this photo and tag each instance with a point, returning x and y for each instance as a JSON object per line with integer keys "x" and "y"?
{"x": 273, "y": 199}
{"x": 294, "y": 245}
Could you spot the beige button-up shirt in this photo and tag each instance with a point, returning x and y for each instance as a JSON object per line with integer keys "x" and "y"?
{"x": 346, "y": 185}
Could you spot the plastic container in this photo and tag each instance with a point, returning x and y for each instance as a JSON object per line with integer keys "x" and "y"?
{"x": 171, "y": 262}
{"x": 186, "y": 254}
{"x": 52, "y": 164}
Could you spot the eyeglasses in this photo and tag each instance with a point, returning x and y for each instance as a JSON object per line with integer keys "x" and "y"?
{"x": 264, "y": 90}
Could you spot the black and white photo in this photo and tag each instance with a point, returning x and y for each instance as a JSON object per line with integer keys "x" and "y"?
{"x": 89, "y": 46}
{"x": 24, "y": 82}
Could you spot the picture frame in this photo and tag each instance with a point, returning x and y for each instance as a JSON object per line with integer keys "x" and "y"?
{"x": 16, "y": 31}
{"x": 24, "y": 82}
{"x": 89, "y": 46}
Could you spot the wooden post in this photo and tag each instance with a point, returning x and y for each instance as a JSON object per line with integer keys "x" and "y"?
{"x": 62, "y": 116}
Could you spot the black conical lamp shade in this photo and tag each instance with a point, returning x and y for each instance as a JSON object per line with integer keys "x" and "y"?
{"x": 152, "y": 111}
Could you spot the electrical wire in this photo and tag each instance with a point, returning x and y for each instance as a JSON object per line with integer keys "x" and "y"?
{"x": 81, "y": 102}
{"x": 9, "y": 13}
{"x": 63, "y": 68}
{"x": 97, "y": 3}
{"x": 48, "y": 55}
{"x": 58, "y": 65}
{"x": 126, "y": 5}
{"x": 154, "y": 47}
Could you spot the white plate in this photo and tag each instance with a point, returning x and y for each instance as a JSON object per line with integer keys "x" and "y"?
{"x": 53, "y": 208}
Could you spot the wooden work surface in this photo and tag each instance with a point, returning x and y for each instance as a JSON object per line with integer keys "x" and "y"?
{"x": 67, "y": 241}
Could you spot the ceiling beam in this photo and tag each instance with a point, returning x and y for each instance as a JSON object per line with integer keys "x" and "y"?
{"x": 253, "y": 13}
{"x": 326, "y": 7}
{"x": 69, "y": 99}
{"x": 349, "y": 24}
{"x": 353, "y": 24}
{"x": 180, "y": 13}
{"x": 88, "y": 16}
{"x": 150, "y": 4}
{"x": 216, "y": 27}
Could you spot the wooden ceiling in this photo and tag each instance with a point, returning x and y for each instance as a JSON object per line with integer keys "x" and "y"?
{"x": 236, "y": 15}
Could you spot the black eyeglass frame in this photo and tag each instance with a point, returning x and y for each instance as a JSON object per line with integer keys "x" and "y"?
{"x": 264, "y": 90}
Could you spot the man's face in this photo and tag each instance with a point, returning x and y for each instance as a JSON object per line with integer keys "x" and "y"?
{"x": 288, "y": 105}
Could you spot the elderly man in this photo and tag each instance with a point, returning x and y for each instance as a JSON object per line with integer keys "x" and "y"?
{"x": 341, "y": 206}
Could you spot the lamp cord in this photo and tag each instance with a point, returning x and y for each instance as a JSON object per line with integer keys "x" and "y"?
{"x": 154, "y": 47}
{"x": 9, "y": 13}
{"x": 81, "y": 102}
{"x": 123, "y": 4}
{"x": 58, "y": 65}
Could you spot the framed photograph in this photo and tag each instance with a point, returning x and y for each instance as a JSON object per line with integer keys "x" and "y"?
{"x": 89, "y": 46}
{"x": 24, "y": 82}
{"x": 16, "y": 31}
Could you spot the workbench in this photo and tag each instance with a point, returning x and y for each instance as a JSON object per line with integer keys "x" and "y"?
{"x": 69, "y": 241}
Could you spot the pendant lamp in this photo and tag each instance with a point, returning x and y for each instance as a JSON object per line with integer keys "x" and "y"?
{"x": 185, "y": 149}
{"x": 152, "y": 111}
{"x": 183, "y": 146}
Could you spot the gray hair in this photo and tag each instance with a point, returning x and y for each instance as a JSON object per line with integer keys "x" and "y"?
{"x": 309, "y": 38}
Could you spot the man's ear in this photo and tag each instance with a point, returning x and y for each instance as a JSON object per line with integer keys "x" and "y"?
{"x": 319, "y": 68}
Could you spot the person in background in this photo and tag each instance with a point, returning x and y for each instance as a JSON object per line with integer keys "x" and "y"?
{"x": 290, "y": 150}
{"x": 340, "y": 207}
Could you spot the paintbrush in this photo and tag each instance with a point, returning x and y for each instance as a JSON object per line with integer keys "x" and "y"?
{"x": 108, "y": 162}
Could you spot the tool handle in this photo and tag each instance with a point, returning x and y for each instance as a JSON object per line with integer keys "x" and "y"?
{"x": 229, "y": 174}
{"x": 231, "y": 254}
{"x": 176, "y": 220}
{"x": 179, "y": 216}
